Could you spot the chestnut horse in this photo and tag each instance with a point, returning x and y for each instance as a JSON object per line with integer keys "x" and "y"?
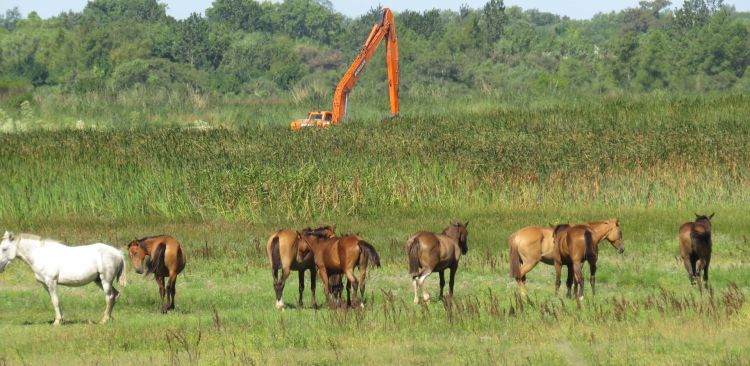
{"x": 532, "y": 244}
{"x": 282, "y": 248}
{"x": 429, "y": 252}
{"x": 167, "y": 260}
{"x": 573, "y": 246}
{"x": 334, "y": 255}
{"x": 695, "y": 246}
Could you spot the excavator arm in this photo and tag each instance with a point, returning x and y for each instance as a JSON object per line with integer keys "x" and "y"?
{"x": 386, "y": 28}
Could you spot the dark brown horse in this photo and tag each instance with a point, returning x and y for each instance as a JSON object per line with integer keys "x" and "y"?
{"x": 429, "y": 252}
{"x": 695, "y": 247}
{"x": 166, "y": 260}
{"x": 338, "y": 256}
{"x": 282, "y": 248}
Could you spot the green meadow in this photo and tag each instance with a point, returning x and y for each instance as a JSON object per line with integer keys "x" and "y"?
{"x": 221, "y": 187}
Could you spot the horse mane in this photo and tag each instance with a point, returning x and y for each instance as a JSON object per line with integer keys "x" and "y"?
{"x": 149, "y": 237}
{"x": 316, "y": 234}
{"x": 702, "y": 219}
{"x": 27, "y": 236}
{"x": 560, "y": 227}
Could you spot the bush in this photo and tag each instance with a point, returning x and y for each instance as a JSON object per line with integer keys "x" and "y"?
{"x": 13, "y": 92}
{"x": 159, "y": 73}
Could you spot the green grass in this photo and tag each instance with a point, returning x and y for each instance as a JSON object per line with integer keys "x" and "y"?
{"x": 645, "y": 308}
{"x": 650, "y": 161}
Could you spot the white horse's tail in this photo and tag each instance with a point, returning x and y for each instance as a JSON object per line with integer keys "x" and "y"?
{"x": 122, "y": 277}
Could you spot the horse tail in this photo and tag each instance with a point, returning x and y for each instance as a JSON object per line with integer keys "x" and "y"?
{"x": 157, "y": 261}
{"x": 275, "y": 253}
{"x": 515, "y": 257}
{"x": 367, "y": 248}
{"x": 122, "y": 276}
{"x": 413, "y": 251}
{"x": 589, "y": 244}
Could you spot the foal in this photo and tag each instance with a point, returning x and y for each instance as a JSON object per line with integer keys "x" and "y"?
{"x": 167, "y": 260}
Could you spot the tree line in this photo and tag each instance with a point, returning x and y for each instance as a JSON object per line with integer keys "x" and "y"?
{"x": 251, "y": 48}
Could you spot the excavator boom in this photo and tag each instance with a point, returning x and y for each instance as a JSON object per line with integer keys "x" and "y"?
{"x": 385, "y": 29}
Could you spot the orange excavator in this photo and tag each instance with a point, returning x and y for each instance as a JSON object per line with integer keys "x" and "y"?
{"x": 386, "y": 28}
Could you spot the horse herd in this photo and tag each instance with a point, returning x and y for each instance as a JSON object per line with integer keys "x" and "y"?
{"x": 335, "y": 257}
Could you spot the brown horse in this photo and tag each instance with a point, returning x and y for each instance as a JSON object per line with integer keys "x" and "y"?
{"x": 573, "y": 245}
{"x": 530, "y": 245}
{"x": 335, "y": 255}
{"x": 282, "y": 248}
{"x": 167, "y": 260}
{"x": 429, "y": 252}
{"x": 695, "y": 246}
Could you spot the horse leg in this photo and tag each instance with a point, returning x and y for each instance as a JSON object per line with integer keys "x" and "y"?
{"x": 362, "y": 278}
{"x": 354, "y": 285}
{"x": 162, "y": 292}
{"x": 705, "y": 269}
{"x": 592, "y": 277}
{"x": 694, "y": 273}
{"x": 171, "y": 289}
{"x": 51, "y": 287}
{"x": 569, "y": 280}
{"x": 301, "y": 277}
{"x": 420, "y": 281}
{"x": 579, "y": 278}
{"x": 313, "y": 280}
{"x": 558, "y": 268}
{"x": 688, "y": 268}
{"x": 454, "y": 268}
{"x": 416, "y": 289}
{"x": 326, "y": 289}
{"x": 442, "y": 283}
{"x": 526, "y": 267}
{"x": 348, "y": 290}
{"x": 279, "y": 287}
{"x": 110, "y": 295}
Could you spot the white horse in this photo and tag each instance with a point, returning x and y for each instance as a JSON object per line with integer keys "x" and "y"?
{"x": 55, "y": 264}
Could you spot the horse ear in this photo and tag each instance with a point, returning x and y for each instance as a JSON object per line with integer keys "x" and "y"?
{"x": 466, "y": 224}
{"x": 711, "y": 216}
{"x": 299, "y": 235}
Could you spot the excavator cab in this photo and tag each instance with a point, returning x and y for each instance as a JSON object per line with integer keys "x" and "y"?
{"x": 314, "y": 119}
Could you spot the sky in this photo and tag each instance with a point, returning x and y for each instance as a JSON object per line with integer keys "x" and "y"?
{"x": 180, "y": 9}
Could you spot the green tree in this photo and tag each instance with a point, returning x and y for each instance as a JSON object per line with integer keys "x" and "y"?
{"x": 653, "y": 62}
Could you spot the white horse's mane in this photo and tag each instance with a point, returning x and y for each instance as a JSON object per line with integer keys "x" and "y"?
{"x": 40, "y": 240}
{"x": 28, "y": 236}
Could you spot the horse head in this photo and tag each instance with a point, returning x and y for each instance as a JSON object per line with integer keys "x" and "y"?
{"x": 303, "y": 246}
{"x": 704, "y": 220}
{"x": 7, "y": 250}
{"x": 459, "y": 232}
{"x": 137, "y": 251}
{"x": 614, "y": 235}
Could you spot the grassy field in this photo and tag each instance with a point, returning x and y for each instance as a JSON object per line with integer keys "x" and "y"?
{"x": 649, "y": 161}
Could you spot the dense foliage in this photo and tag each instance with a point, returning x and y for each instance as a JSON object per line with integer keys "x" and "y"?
{"x": 299, "y": 48}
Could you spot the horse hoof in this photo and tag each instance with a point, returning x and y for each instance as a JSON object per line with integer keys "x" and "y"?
{"x": 104, "y": 321}
{"x": 57, "y": 323}
{"x": 279, "y": 304}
